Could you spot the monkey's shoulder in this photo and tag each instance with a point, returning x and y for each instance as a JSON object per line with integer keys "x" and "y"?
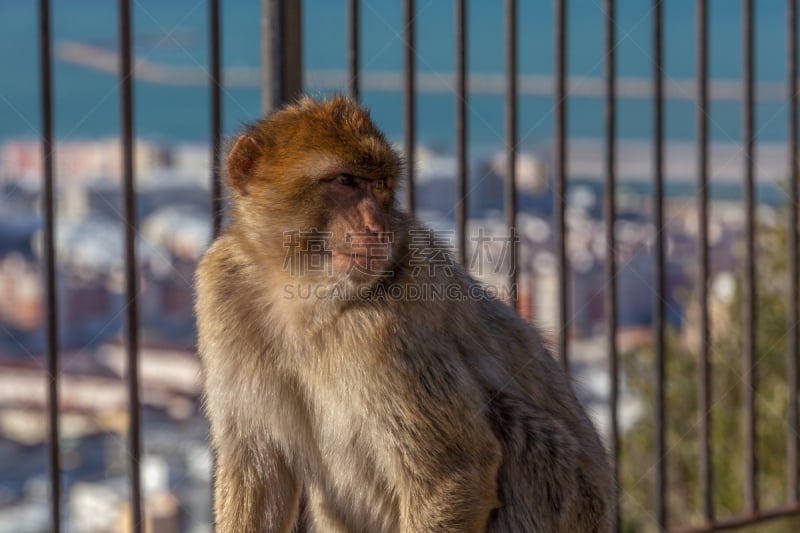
{"x": 228, "y": 277}
{"x": 229, "y": 304}
{"x": 223, "y": 261}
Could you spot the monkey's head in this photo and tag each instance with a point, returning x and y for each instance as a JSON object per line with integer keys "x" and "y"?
{"x": 313, "y": 189}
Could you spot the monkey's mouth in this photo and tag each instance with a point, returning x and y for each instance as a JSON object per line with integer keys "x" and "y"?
{"x": 373, "y": 262}
{"x": 358, "y": 256}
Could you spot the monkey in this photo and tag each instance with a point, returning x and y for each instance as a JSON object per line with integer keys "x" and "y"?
{"x": 324, "y": 377}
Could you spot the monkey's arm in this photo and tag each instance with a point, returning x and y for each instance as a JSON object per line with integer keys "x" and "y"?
{"x": 254, "y": 491}
{"x": 451, "y": 486}
{"x": 255, "y": 486}
{"x": 446, "y": 457}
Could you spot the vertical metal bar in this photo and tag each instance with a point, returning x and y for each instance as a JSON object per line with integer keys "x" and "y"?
{"x": 510, "y": 192}
{"x": 658, "y": 322}
{"x": 704, "y": 374}
{"x": 51, "y": 296}
{"x": 354, "y": 85}
{"x": 461, "y": 128}
{"x": 560, "y": 174}
{"x": 215, "y": 80}
{"x": 281, "y": 52}
{"x": 749, "y": 312}
{"x": 793, "y": 444}
{"x": 409, "y": 104}
{"x": 131, "y": 293}
{"x": 610, "y": 209}
{"x": 292, "y": 49}
{"x": 272, "y": 68}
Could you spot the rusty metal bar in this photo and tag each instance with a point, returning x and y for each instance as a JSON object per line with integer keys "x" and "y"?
{"x": 281, "y": 52}
{"x": 461, "y": 128}
{"x": 793, "y": 444}
{"x": 49, "y": 255}
{"x": 704, "y": 367}
{"x": 510, "y": 188}
{"x": 131, "y": 292}
{"x": 610, "y": 210}
{"x": 749, "y": 316}
{"x": 409, "y": 104}
{"x": 560, "y": 177}
{"x": 215, "y": 81}
{"x": 353, "y": 81}
{"x": 659, "y": 307}
{"x": 272, "y": 57}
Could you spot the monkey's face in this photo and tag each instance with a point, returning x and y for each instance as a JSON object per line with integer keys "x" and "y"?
{"x": 314, "y": 186}
{"x": 359, "y": 240}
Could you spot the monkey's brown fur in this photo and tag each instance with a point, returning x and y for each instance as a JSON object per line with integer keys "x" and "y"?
{"x": 392, "y": 414}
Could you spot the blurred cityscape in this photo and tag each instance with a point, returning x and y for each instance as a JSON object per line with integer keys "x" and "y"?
{"x": 174, "y": 229}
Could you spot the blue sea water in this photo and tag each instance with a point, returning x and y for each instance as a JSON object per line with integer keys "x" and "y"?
{"x": 175, "y": 32}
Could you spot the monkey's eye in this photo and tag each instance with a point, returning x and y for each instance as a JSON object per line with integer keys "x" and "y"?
{"x": 346, "y": 180}
{"x": 379, "y": 185}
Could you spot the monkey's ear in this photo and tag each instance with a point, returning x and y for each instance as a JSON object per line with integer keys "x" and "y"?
{"x": 241, "y": 161}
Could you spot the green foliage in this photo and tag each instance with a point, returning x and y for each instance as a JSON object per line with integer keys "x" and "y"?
{"x": 638, "y": 463}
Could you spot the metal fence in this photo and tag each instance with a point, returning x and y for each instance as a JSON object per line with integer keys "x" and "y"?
{"x": 281, "y": 31}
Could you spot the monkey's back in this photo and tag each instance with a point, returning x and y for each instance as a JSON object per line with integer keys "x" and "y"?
{"x": 554, "y": 475}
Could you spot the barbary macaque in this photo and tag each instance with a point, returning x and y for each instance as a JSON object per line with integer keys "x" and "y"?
{"x": 444, "y": 412}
